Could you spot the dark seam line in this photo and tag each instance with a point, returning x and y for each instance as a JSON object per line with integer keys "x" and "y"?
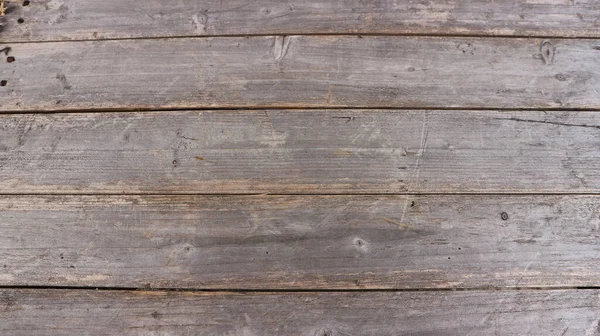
{"x": 483, "y": 194}
{"x": 299, "y": 290}
{"x": 432, "y": 35}
{"x": 317, "y": 108}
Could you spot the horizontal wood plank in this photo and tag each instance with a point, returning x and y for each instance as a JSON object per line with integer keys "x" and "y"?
{"x": 90, "y": 19}
{"x": 300, "y": 152}
{"x": 68, "y": 312}
{"x": 302, "y": 71}
{"x": 300, "y": 242}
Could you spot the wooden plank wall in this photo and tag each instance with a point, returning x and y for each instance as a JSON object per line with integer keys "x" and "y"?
{"x": 299, "y": 168}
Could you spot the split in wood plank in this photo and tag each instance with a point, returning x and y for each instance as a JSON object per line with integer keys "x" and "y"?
{"x": 522, "y": 313}
{"x": 300, "y": 242}
{"x": 300, "y": 152}
{"x": 92, "y": 19}
{"x": 302, "y": 71}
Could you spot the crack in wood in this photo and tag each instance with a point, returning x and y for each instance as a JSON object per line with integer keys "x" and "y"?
{"x": 549, "y": 122}
{"x": 281, "y": 47}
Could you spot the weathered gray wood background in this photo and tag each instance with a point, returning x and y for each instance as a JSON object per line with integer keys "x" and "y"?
{"x": 76, "y": 312}
{"x": 308, "y": 167}
{"x": 58, "y": 20}
{"x": 303, "y": 71}
{"x": 301, "y": 152}
{"x": 300, "y": 242}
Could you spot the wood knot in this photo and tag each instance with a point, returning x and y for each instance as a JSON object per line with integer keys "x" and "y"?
{"x": 325, "y": 332}
{"x": 547, "y": 52}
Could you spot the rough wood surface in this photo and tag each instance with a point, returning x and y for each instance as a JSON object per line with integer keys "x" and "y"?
{"x": 92, "y": 19}
{"x": 522, "y": 313}
{"x": 300, "y": 242}
{"x": 301, "y": 151}
{"x": 302, "y": 71}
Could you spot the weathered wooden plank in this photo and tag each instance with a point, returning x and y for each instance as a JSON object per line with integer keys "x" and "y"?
{"x": 300, "y": 242}
{"x": 302, "y": 71}
{"x": 301, "y": 151}
{"x": 69, "y": 312}
{"x": 89, "y": 19}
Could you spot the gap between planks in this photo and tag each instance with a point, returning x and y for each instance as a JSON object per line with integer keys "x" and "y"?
{"x": 300, "y": 290}
{"x": 408, "y": 194}
{"x": 300, "y": 108}
{"x": 562, "y": 37}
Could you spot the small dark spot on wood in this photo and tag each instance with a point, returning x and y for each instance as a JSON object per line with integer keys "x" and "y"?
{"x": 147, "y": 285}
{"x": 449, "y": 258}
{"x": 561, "y": 77}
{"x": 412, "y": 204}
{"x": 199, "y": 158}
{"x": 357, "y": 282}
{"x": 459, "y": 248}
{"x": 10, "y": 59}
{"x": 62, "y": 256}
{"x": 504, "y": 216}
{"x": 95, "y": 34}
{"x": 267, "y": 252}
{"x": 3, "y": 82}
{"x": 188, "y": 249}
{"x": 72, "y": 266}
{"x": 26, "y": 3}
{"x": 596, "y": 47}
{"x": 58, "y": 102}
{"x": 175, "y": 163}
{"x": 266, "y": 11}
{"x": 155, "y": 315}
{"x": 360, "y": 243}
{"x": 522, "y": 17}
{"x": 325, "y": 332}
{"x": 466, "y": 48}
{"x": 5, "y": 266}
{"x": 20, "y": 20}
{"x": 410, "y": 69}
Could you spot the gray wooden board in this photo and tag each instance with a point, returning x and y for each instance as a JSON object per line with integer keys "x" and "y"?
{"x": 302, "y": 71}
{"x": 300, "y": 242}
{"x": 92, "y": 19}
{"x": 300, "y": 151}
{"x": 68, "y": 312}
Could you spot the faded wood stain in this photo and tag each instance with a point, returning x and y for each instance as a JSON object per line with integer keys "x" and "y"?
{"x": 390, "y": 167}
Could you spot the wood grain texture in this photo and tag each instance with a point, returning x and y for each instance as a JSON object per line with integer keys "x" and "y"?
{"x": 299, "y": 242}
{"x": 302, "y": 71}
{"x": 300, "y": 151}
{"x": 89, "y": 19}
{"x": 64, "y": 312}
